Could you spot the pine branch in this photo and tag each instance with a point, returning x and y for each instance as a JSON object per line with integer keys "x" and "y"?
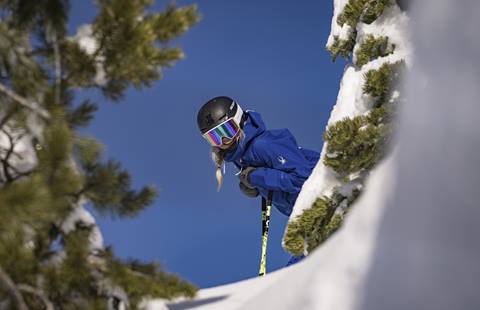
{"x": 14, "y": 291}
{"x": 24, "y": 102}
{"x": 58, "y": 67}
{"x": 37, "y": 292}
{"x": 78, "y": 215}
{"x": 93, "y": 255}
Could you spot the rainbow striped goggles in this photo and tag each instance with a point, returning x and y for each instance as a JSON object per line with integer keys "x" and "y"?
{"x": 227, "y": 129}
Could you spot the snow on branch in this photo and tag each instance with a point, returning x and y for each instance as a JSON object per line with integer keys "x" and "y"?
{"x": 81, "y": 215}
{"x": 17, "y": 156}
{"x": 89, "y": 44}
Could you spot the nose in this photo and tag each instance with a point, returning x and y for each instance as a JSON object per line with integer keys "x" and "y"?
{"x": 226, "y": 140}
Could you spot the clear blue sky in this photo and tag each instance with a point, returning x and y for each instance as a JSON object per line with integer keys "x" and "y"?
{"x": 268, "y": 55}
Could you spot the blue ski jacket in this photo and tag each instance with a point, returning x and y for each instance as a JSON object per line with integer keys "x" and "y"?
{"x": 281, "y": 165}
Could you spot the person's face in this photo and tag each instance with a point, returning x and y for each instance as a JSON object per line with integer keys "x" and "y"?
{"x": 226, "y": 143}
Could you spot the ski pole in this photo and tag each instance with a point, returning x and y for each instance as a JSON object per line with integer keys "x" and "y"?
{"x": 266, "y": 207}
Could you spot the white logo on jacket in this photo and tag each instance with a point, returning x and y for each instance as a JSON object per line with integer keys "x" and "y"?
{"x": 281, "y": 159}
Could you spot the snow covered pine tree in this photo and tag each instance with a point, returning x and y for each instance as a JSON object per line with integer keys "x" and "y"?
{"x": 51, "y": 251}
{"x": 372, "y": 34}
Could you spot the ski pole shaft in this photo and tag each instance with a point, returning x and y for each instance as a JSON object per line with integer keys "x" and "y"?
{"x": 266, "y": 208}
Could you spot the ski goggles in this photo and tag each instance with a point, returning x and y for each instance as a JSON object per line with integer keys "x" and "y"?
{"x": 227, "y": 129}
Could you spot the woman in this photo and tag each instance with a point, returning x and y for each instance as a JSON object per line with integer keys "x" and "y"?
{"x": 268, "y": 160}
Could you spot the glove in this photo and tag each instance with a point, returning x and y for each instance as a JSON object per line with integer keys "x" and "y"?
{"x": 249, "y": 192}
{"x": 244, "y": 177}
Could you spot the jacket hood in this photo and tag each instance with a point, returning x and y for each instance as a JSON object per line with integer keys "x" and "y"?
{"x": 253, "y": 127}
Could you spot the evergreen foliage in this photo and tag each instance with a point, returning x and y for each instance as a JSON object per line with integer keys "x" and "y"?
{"x": 378, "y": 83}
{"x": 107, "y": 186}
{"x": 373, "y": 48}
{"x": 356, "y": 11}
{"x": 317, "y": 223}
{"x": 133, "y": 43}
{"x": 357, "y": 144}
{"x": 48, "y": 170}
{"x": 351, "y": 13}
{"x": 71, "y": 283}
{"x": 343, "y": 48}
{"x": 147, "y": 279}
{"x": 81, "y": 115}
{"x": 374, "y": 9}
{"x": 366, "y": 11}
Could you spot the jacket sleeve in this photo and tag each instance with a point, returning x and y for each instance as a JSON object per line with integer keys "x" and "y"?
{"x": 280, "y": 160}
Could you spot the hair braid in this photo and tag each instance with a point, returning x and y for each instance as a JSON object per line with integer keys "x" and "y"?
{"x": 218, "y": 174}
{"x": 218, "y": 159}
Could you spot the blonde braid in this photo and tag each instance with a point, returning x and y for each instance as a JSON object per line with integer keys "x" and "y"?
{"x": 218, "y": 173}
{"x": 219, "y": 160}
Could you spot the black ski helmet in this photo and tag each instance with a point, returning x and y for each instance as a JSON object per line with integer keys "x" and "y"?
{"x": 216, "y": 111}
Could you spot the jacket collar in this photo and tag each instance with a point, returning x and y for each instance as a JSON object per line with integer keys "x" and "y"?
{"x": 253, "y": 127}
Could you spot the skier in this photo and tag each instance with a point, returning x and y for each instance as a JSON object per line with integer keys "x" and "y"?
{"x": 268, "y": 160}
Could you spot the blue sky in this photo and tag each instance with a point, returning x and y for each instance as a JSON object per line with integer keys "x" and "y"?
{"x": 268, "y": 55}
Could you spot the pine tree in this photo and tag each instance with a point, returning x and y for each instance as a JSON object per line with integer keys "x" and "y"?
{"x": 51, "y": 254}
{"x": 353, "y": 145}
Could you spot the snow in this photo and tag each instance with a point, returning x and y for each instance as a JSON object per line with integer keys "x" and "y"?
{"x": 346, "y": 190}
{"x": 82, "y": 216}
{"x": 332, "y": 155}
{"x": 351, "y": 101}
{"x": 85, "y": 39}
{"x": 393, "y": 23}
{"x": 342, "y": 32}
{"x": 23, "y": 158}
{"x": 88, "y": 43}
{"x": 228, "y": 296}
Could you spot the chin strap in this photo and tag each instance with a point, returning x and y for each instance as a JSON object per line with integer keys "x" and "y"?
{"x": 239, "y": 171}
